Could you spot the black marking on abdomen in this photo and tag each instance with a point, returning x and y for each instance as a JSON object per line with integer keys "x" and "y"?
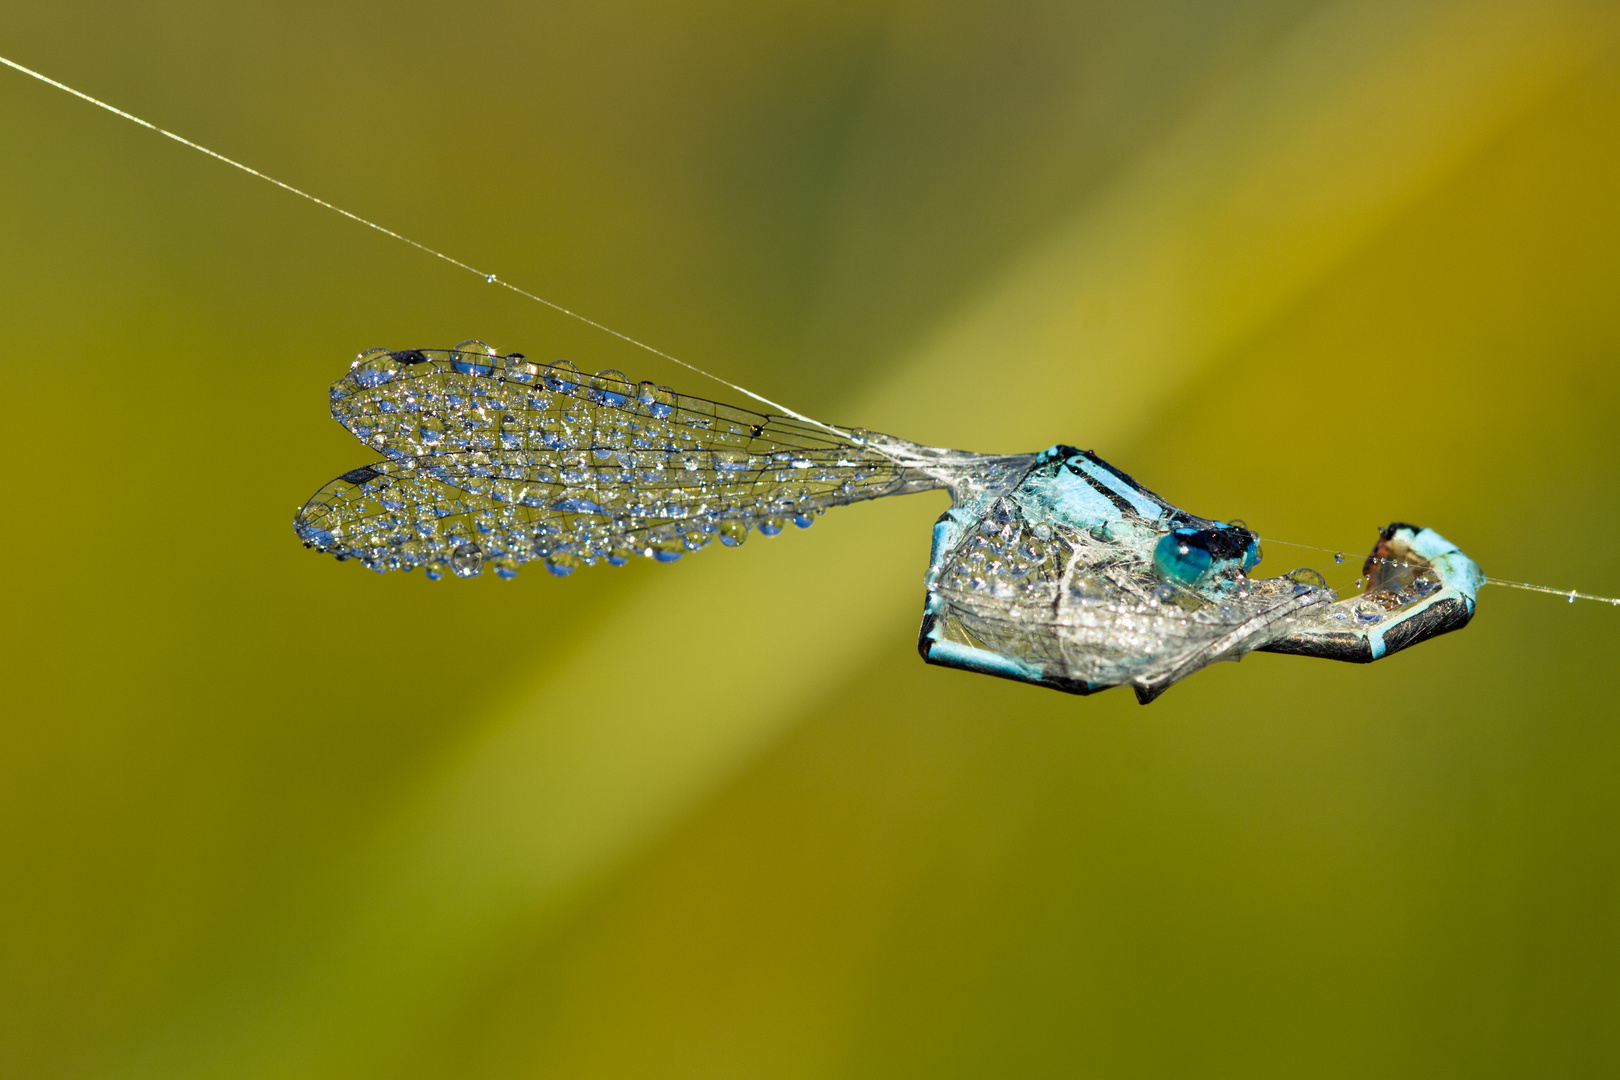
{"x": 1121, "y": 503}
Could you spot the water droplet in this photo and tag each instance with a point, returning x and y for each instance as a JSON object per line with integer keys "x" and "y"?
{"x": 659, "y": 401}
{"x": 506, "y": 568}
{"x": 1307, "y": 577}
{"x": 314, "y": 535}
{"x": 467, "y": 560}
{"x": 561, "y": 375}
{"x": 804, "y": 520}
{"x": 431, "y": 430}
{"x": 562, "y": 562}
{"x": 733, "y": 532}
{"x": 487, "y": 277}
{"x": 516, "y": 366}
{"x": 1572, "y": 596}
{"x": 771, "y": 526}
{"x": 433, "y": 570}
{"x": 473, "y": 357}
{"x": 610, "y": 387}
{"x": 376, "y": 368}
{"x": 1338, "y": 556}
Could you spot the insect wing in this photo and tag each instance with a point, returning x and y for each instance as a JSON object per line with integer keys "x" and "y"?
{"x": 390, "y": 516}
{"x": 544, "y": 462}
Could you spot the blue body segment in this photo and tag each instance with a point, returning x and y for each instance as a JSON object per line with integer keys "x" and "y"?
{"x": 1459, "y": 578}
{"x": 1099, "y": 473}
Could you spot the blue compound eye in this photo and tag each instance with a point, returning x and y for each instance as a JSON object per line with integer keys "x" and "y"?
{"x": 1181, "y": 557}
{"x": 1251, "y": 555}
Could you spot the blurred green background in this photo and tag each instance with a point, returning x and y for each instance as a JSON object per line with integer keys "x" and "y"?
{"x": 1320, "y": 265}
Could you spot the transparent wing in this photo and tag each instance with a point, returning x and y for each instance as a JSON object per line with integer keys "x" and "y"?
{"x": 392, "y": 516}
{"x": 493, "y": 458}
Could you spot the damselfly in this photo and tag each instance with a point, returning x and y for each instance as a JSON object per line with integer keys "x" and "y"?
{"x": 1052, "y": 568}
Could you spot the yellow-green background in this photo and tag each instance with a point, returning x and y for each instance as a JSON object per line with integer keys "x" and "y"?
{"x": 1318, "y": 265}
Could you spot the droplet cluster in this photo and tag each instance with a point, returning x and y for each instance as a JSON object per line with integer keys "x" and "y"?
{"x": 493, "y": 461}
{"x": 1005, "y": 558}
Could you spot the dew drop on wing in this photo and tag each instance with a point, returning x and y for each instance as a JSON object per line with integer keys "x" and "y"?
{"x": 467, "y": 560}
{"x": 516, "y": 366}
{"x": 473, "y": 357}
{"x": 377, "y": 369}
{"x": 315, "y": 535}
{"x": 562, "y": 563}
{"x": 662, "y": 403}
{"x": 611, "y": 387}
{"x": 561, "y": 375}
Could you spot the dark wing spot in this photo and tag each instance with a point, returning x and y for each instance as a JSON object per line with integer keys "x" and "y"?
{"x": 360, "y": 475}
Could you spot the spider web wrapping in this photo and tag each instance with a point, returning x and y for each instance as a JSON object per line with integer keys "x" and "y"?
{"x": 490, "y": 459}
{"x": 1079, "y": 601}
